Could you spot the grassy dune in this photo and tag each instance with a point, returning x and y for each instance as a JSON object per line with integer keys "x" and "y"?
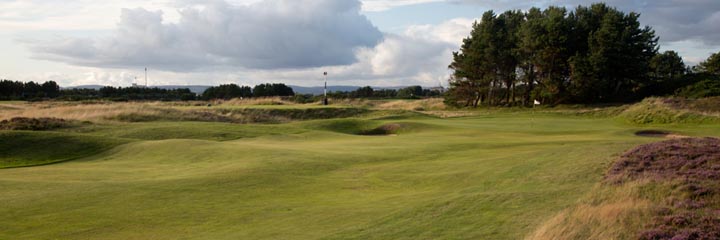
{"x": 24, "y": 148}
{"x": 491, "y": 176}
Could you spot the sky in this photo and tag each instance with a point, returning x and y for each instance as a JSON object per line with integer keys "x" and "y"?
{"x": 247, "y": 42}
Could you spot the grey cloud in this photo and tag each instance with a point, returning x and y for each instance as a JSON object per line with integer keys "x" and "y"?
{"x": 273, "y": 34}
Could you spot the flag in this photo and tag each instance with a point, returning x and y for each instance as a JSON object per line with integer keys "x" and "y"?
{"x": 537, "y": 102}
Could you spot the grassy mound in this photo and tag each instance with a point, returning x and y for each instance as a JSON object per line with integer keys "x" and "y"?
{"x": 22, "y": 149}
{"x": 709, "y": 106}
{"x": 214, "y": 131}
{"x": 367, "y": 127}
{"x": 346, "y": 126}
{"x": 291, "y": 114}
{"x": 660, "y": 111}
{"x": 242, "y": 115}
{"x": 397, "y": 128}
{"x": 663, "y": 190}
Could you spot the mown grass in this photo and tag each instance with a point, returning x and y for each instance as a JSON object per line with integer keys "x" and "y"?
{"x": 490, "y": 176}
{"x": 213, "y": 131}
{"x": 25, "y": 148}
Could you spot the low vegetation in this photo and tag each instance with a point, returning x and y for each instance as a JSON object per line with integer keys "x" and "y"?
{"x": 662, "y": 111}
{"x": 662, "y": 190}
{"x": 692, "y": 167}
{"x": 34, "y": 124}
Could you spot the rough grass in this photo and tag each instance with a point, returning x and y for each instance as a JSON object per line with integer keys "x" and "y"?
{"x": 607, "y": 212}
{"x": 430, "y": 104}
{"x": 192, "y": 111}
{"x": 663, "y": 190}
{"x": 34, "y": 124}
{"x": 659, "y": 111}
{"x": 706, "y": 106}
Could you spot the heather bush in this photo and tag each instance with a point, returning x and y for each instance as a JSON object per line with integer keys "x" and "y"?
{"x": 693, "y": 166}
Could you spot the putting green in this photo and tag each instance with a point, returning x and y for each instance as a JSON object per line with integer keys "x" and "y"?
{"x": 485, "y": 177}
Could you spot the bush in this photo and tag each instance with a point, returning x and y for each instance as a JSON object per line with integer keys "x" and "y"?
{"x": 703, "y": 89}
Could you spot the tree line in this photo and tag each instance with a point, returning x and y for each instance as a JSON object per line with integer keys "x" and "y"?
{"x": 594, "y": 54}
{"x": 16, "y": 90}
{"x": 230, "y": 91}
{"x": 32, "y": 91}
{"x": 411, "y": 92}
{"x": 127, "y": 94}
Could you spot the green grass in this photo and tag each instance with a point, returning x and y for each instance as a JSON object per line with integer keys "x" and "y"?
{"x": 25, "y": 148}
{"x": 214, "y": 131}
{"x": 494, "y": 176}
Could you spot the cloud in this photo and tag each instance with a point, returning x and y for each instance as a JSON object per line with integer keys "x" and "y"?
{"x": 419, "y": 50}
{"x": 272, "y": 34}
{"x": 382, "y": 5}
{"x": 673, "y": 20}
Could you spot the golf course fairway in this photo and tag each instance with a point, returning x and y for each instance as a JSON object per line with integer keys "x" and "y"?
{"x": 492, "y": 176}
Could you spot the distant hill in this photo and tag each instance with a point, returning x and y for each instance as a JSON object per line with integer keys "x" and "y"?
{"x": 319, "y": 90}
{"x": 96, "y": 87}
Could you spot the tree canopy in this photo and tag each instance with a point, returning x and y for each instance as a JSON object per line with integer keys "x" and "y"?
{"x": 227, "y": 91}
{"x": 711, "y": 65}
{"x": 16, "y": 90}
{"x": 272, "y": 90}
{"x": 588, "y": 55}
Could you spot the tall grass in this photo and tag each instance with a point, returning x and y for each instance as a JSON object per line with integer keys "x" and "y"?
{"x": 82, "y": 112}
{"x": 660, "y": 111}
{"x": 413, "y": 105}
{"x": 609, "y": 212}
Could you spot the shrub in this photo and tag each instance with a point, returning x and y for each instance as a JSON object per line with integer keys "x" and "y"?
{"x": 703, "y": 89}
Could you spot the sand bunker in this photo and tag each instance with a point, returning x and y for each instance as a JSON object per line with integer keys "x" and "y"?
{"x": 659, "y": 134}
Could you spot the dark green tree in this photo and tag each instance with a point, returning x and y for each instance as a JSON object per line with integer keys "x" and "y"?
{"x": 363, "y": 92}
{"x": 272, "y": 90}
{"x": 410, "y": 92}
{"x": 711, "y": 65}
{"x": 227, "y": 91}
{"x": 667, "y": 65}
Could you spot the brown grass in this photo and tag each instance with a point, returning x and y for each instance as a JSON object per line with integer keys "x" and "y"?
{"x": 79, "y": 111}
{"x": 613, "y": 214}
{"x": 221, "y": 111}
{"x": 430, "y": 104}
{"x": 254, "y": 101}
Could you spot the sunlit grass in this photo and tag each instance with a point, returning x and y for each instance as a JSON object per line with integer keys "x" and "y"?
{"x": 490, "y": 176}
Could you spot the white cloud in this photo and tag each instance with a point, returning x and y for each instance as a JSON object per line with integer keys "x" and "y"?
{"x": 291, "y": 42}
{"x": 382, "y": 5}
{"x": 272, "y": 34}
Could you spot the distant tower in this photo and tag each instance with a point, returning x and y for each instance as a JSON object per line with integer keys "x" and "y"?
{"x": 146, "y": 77}
{"x": 325, "y": 99}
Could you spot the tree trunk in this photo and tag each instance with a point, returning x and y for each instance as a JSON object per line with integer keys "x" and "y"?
{"x": 530, "y": 84}
{"x": 490, "y": 92}
{"x": 512, "y": 94}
